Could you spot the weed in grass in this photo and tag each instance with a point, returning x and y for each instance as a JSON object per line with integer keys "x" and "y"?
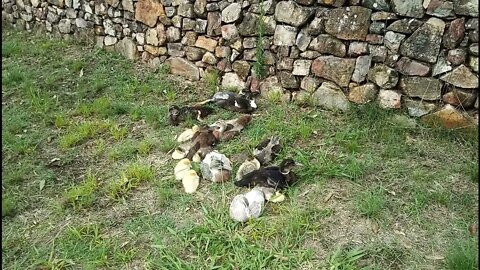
{"x": 259, "y": 65}
{"x": 144, "y": 147}
{"x": 345, "y": 259}
{"x": 463, "y": 255}
{"x": 371, "y": 203}
{"x": 211, "y": 78}
{"x": 82, "y": 132}
{"x": 13, "y": 76}
{"x": 8, "y": 206}
{"x": 118, "y": 133}
{"x": 83, "y": 195}
{"x": 123, "y": 151}
{"x": 134, "y": 175}
{"x": 167, "y": 144}
{"x": 61, "y": 121}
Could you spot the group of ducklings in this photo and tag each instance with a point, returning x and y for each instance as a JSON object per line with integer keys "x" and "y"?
{"x": 196, "y": 145}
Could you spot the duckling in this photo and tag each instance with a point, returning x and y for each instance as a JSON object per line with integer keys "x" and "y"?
{"x": 275, "y": 176}
{"x": 203, "y": 139}
{"x": 249, "y": 165}
{"x": 178, "y": 114}
{"x": 246, "y": 206}
{"x": 190, "y": 181}
{"x": 232, "y": 127}
{"x": 267, "y": 150}
{"x": 182, "y": 167}
{"x": 216, "y": 167}
{"x": 187, "y": 134}
{"x": 243, "y": 103}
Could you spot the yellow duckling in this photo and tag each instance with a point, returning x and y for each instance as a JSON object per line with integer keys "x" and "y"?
{"x": 190, "y": 181}
{"x": 182, "y": 167}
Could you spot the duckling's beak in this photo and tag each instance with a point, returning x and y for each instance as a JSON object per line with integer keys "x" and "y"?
{"x": 298, "y": 164}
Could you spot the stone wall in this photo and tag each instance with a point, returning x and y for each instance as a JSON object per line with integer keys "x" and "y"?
{"x": 412, "y": 53}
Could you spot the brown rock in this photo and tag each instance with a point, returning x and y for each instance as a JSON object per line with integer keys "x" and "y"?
{"x": 426, "y": 88}
{"x": 383, "y": 76}
{"x": 449, "y": 117}
{"x": 223, "y": 51}
{"x": 389, "y": 99}
{"x": 334, "y": 68}
{"x": 214, "y": 21}
{"x": 457, "y": 56}
{"x": 182, "y": 67}
{"x": 410, "y": 67}
{"x": 383, "y": 16}
{"x": 362, "y": 94}
{"x": 348, "y": 23}
{"x": 327, "y": 44}
{"x": 374, "y": 39}
{"x": 242, "y": 68}
{"x": 209, "y": 58}
{"x": 193, "y": 53}
{"x": 206, "y": 43}
{"x": 458, "y": 97}
{"x": 148, "y": 11}
{"x": 288, "y": 80}
{"x": 454, "y": 34}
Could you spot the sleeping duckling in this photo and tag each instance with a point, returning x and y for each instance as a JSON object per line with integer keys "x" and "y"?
{"x": 267, "y": 150}
{"x": 249, "y": 165}
{"x": 216, "y": 167}
{"x": 246, "y": 206}
{"x": 232, "y": 127}
{"x": 178, "y": 114}
{"x": 230, "y": 101}
{"x": 203, "y": 139}
{"x": 182, "y": 167}
{"x": 187, "y": 134}
{"x": 190, "y": 181}
{"x": 278, "y": 177}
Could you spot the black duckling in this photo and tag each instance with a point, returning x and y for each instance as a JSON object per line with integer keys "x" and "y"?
{"x": 243, "y": 103}
{"x": 178, "y": 114}
{"x": 278, "y": 177}
{"x": 267, "y": 150}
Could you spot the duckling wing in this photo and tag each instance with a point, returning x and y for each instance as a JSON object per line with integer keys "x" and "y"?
{"x": 252, "y": 178}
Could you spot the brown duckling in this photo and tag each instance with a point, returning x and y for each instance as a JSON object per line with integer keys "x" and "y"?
{"x": 178, "y": 114}
{"x": 278, "y": 177}
{"x": 267, "y": 150}
{"x": 232, "y": 127}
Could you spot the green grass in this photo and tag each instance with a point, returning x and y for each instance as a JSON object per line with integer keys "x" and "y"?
{"x": 88, "y": 179}
{"x": 463, "y": 254}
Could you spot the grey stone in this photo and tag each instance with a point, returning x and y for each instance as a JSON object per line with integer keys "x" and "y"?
{"x": 303, "y": 40}
{"x": 231, "y": 13}
{"x": 316, "y": 26}
{"x": 331, "y": 97}
{"x": 457, "y": 56}
{"x": 212, "y": 7}
{"x": 338, "y": 70}
{"x": 175, "y": 49}
{"x": 189, "y": 38}
{"x": 405, "y": 26}
{"x": 374, "y": 39}
{"x": 209, "y": 58}
{"x": 424, "y": 43}
{"x": 440, "y": 8}
{"x": 383, "y": 16}
{"x": 421, "y": 87}
{"x": 109, "y": 40}
{"x": 200, "y": 26}
{"x": 357, "y": 48}
{"x": 200, "y": 7}
{"x": 362, "y": 94}
{"x": 441, "y": 66}
{"x": 177, "y": 21}
{"x": 291, "y": 13}
{"x": 287, "y": 80}
{"x": 170, "y": 11}
{"x": 310, "y": 54}
{"x": 65, "y": 26}
{"x": 389, "y": 99}
{"x": 472, "y": 24}
{"x": 128, "y": 5}
{"x": 382, "y": 5}
{"x": 127, "y": 48}
{"x": 242, "y": 69}
{"x": 249, "y": 43}
{"x": 301, "y": 67}
{"x": 229, "y": 31}
{"x": 460, "y": 97}
{"x": 408, "y": 8}
{"x": 418, "y": 108}
{"x": 173, "y": 34}
{"x": 350, "y": 23}
{"x": 362, "y": 66}
{"x": 383, "y": 76}
{"x": 284, "y": 35}
{"x": 309, "y": 83}
{"x": 466, "y": 7}
{"x": 186, "y": 10}
{"x": 182, "y": 67}
{"x": 249, "y": 25}
{"x": 187, "y": 24}
{"x": 327, "y": 44}
{"x": 473, "y": 63}
{"x": 231, "y": 80}
{"x": 393, "y": 40}
{"x": 268, "y": 7}
{"x": 285, "y": 63}
{"x": 461, "y": 77}
{"x": 194, "y": 54}
{"x": 81, "y": 23}
{"x": 377, "y": 27}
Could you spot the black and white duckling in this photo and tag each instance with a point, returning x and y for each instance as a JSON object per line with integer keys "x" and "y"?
{"x": 278, "y": 177}
{"x": 246, "y": 206}
{"x": 216, "y": 167}
{"x": 243, "y": 103}
{"x": 178, "y": 114}
{"x": 268, "y": 150}
{"x": 249, "y": 165}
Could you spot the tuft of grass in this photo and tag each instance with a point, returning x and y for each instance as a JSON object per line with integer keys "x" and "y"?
{"x": 144, "y": 147}
{"x": 8, "y": 206}
{"x": 83, "y": 195}
{"x": 211, "y": 78}
{"x": 259, "y": 65}
{"x": 463, "y": 255}
{"x": 118, "y": 133}
{"x": 130, "y": 178}
{"x": 83, "y": 132}
{"x": 345, "y": 259}
{"x": 371, "y": 203}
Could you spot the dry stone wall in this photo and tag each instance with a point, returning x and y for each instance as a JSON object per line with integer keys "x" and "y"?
{"x": 418, "y": 54}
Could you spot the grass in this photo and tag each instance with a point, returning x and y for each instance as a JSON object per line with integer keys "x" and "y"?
{"x": 88, "y": 179}
{"x": 463, "y": 254}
